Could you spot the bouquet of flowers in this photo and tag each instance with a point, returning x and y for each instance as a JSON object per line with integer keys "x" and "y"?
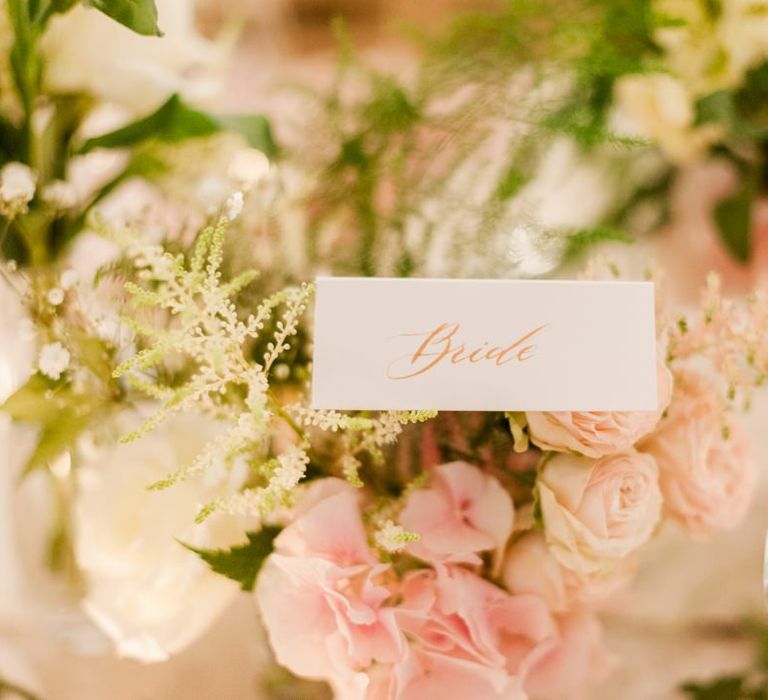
{"x": 157, "y": 289}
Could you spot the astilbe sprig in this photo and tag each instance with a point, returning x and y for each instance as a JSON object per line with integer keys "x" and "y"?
{"x": 202, "y": 324}
{"x": 198, "y": 319}
{"x": 729, "y": 334}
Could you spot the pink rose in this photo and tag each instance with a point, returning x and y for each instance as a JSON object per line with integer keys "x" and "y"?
{"x": 598, "y": 511}
{"x": 461, "y": 512}
{"x": 322, "y": 596}
{"x": 468, "y": 638}
{"x": 707, "y": 479}
{"x": 598, "y": 433}
{"x": 530, "y": 567}
{"x": 578, "y": 658}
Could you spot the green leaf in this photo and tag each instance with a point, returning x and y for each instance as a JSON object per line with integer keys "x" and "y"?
{"x": 255, "y": 128}
{"x": 138, "y": 15}
{"x": 725, "y": 688}
{"x": 511, "y": 183}
{"x": 57, "y": 436}
{"x": 173, "y": 121}
{"x": 580, "y": 241}
{"x": 176, "y": 121}
{"x": 35, "y": 402}
{"x": 242, "y": 562}
{"x": 733, "y": 217}
{"x": 716, "y": 107}
{"x": 61, "y": 415}
{"x": 26, "y": 65}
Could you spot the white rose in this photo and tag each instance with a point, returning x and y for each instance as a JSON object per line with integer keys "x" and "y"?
{"x": 149, "y": 594}
{"x": 85, "y": 51}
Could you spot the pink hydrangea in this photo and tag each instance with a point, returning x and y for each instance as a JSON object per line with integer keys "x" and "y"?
{"x": 462, "y": 511}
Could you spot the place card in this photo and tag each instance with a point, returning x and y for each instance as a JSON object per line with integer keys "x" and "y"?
{"x": 484, "y": 345}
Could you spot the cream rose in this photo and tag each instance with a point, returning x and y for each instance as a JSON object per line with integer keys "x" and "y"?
{"x": 85, "y": 51}
{"x": 149, "y": 594}
{"x": 706, "y": 469}
{"x": 598, "y": 433}
{"x": 530, "y": 567}
{"x": 598, "y": 511}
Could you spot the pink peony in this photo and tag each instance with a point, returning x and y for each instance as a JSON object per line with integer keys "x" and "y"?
{"x": 322, "y": 596}
{"x": 598, "y": 433}
{"x": 578, "y": 658}
{"x": 461, "y": 512}
{"x": 530, "y": 567}
{"x": 598, "y": 511}
{"x": 707, "y": 479}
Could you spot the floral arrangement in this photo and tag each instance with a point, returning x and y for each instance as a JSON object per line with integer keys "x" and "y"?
{"x": 157, "y": 284}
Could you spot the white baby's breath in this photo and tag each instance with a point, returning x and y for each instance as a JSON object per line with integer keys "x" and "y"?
{"x": 55, "y": 296}
{"x": 68, "y": 279}
{"x": 17, "y": 188}
{"x": 53, "y": 360}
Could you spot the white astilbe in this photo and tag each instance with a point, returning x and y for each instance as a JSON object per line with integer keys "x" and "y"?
{"x": 282, "y": 474}
{"x": 199, "y": 321}
{"x": 385, "y": 430}
{"x": 393, "y": 538}
{"x": 729, "y": 334}
{"x": 204, "y": 326}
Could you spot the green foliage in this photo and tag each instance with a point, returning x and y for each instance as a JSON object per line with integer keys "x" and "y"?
{"x": 751, "y": 684}
{"x": 11, "y": 691}
{"x": 138, "y": 15}
{"x": 61, "y": 414}
{"x": 579, "y": 242}
{"x": 176, "y": 121}
{"x": 725, "y": 688}
{"x": 26, "y": 64}
{"x": 733, "y": 216}
{"x": 242, "y": 562}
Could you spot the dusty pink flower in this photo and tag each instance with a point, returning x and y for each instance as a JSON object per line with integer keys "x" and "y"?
{"x": 322, "y": 596}
{"x": 468, "y": 638}
{"x": 706, "y": 469}
{"x": 530, "y": 567}
{"x": 598, "y": 511}
{"x": 598, "y": 433}
{"x": 577, "y": 659}
{"x": 462, "y": 511}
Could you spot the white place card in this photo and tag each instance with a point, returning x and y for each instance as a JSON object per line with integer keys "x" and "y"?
{"x": 484, "y": 345}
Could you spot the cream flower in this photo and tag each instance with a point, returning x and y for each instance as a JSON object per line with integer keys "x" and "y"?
{"x": 598, "y": 511}
{"x": 149, "y": 594}
{"x": 85, "y": 51}
{"x": 709, "y": 50}
{"x": 659, "y": 107}
{"x": 530, "y": 567}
